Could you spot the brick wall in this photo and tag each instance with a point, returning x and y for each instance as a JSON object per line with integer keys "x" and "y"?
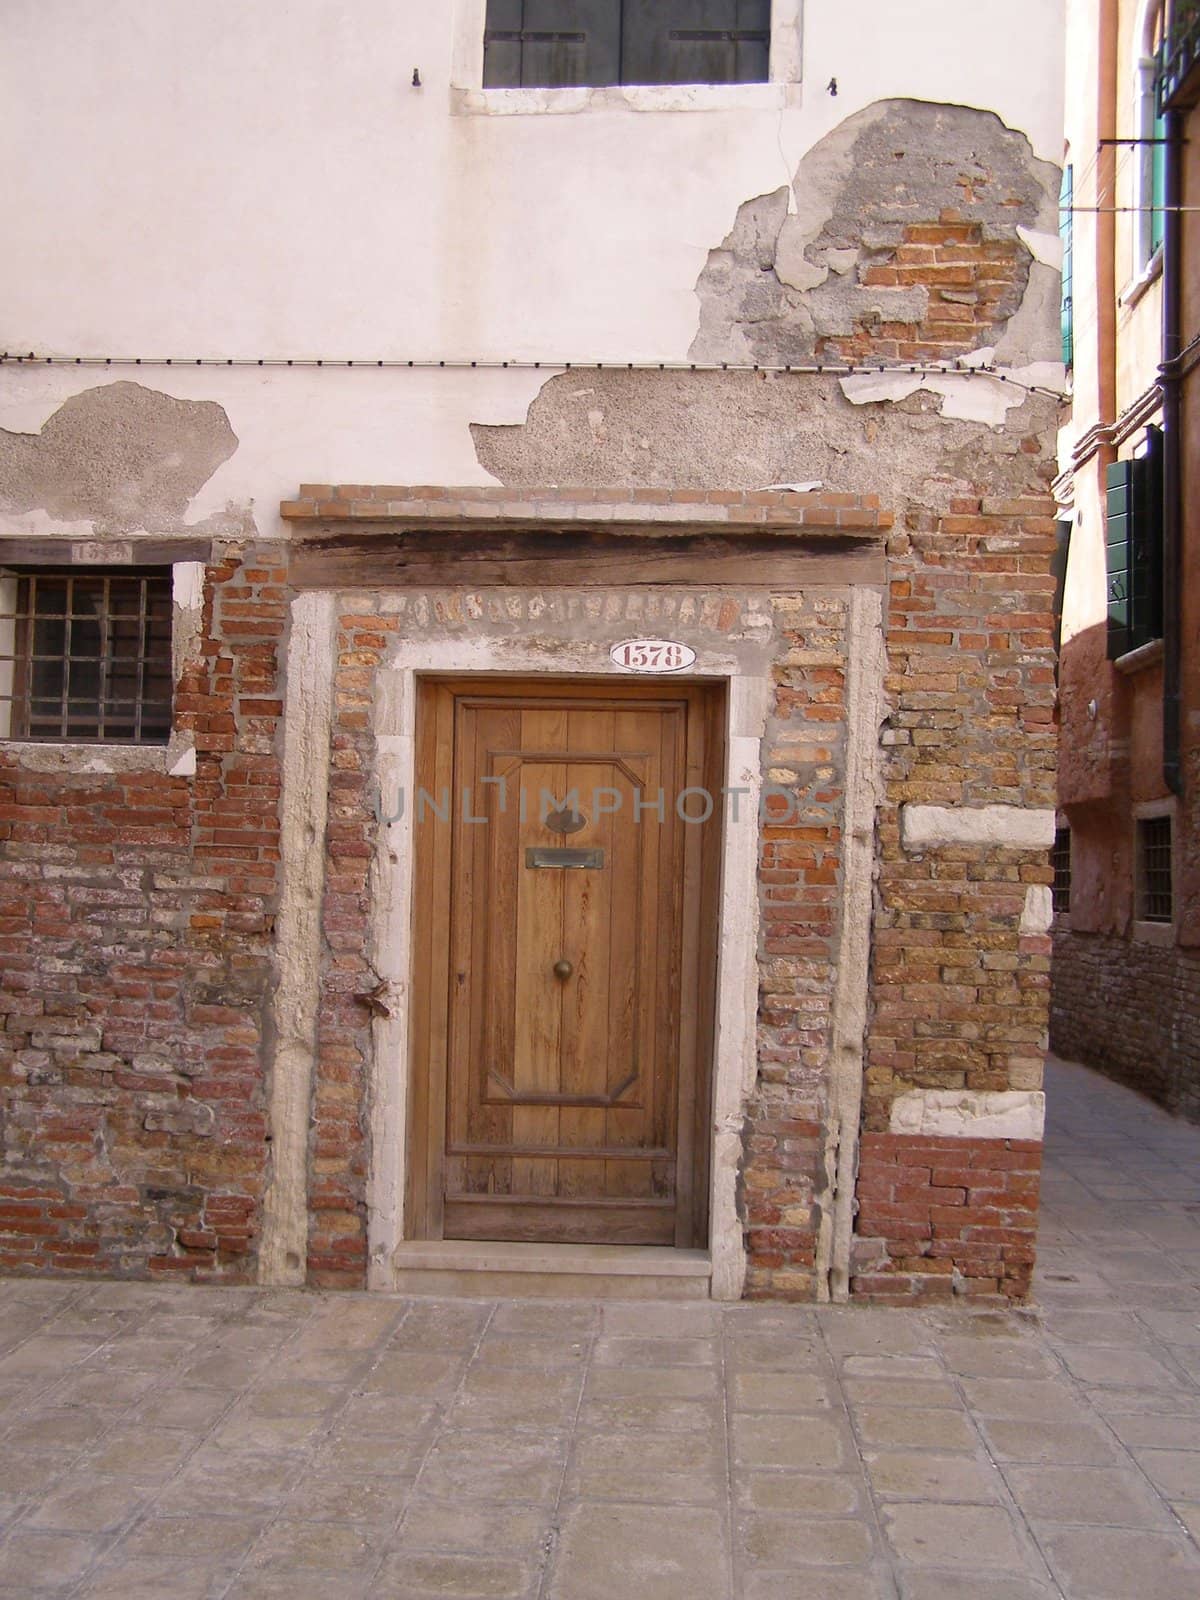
{"x": 1132, "y": 1010}
{"x": 960, "y": 994}
{"x": 135, "y": 929}
{"x": 945, "y": 1217}
{"x": 973, "y": 286}
{"x": 800, "y": 884}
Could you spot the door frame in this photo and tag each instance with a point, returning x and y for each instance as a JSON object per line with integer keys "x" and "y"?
{"x": 698, "y": 922}
{"x": 438, "y": 646}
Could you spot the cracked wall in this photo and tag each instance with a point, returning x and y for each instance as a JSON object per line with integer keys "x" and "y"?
{"x": 907, "y": 234}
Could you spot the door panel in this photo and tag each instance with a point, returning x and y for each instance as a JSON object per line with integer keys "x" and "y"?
{"x": 568, "y": 1058}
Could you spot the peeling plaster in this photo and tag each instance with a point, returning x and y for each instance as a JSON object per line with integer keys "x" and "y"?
{"x": 792, "y": 272}
{"x": 975, "y": 397}
{"x": 119, "y": 457}
{"x": 741, "y": 430}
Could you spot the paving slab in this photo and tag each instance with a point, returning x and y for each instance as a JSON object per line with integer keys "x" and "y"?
{"x": 167, "y": 1442}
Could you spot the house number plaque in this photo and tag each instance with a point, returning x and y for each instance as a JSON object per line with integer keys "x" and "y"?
{"x": 652, "y": 655}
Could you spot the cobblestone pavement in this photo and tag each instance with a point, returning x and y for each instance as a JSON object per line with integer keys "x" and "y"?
{"x": 189, "y": 1443}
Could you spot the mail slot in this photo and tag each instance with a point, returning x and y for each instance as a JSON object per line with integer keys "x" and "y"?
{"x": 549, "y": 857}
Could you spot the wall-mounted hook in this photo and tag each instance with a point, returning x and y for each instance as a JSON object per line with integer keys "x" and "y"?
{"x": 831, "y": 87}
{"x": 416, "y": 78}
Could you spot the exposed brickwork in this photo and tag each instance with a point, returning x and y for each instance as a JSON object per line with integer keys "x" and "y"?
{"x": 1131, "y": 1009}
{"x": 135, "y": 929}
{"x": 973, "y": 283}
{"x": 799, "y": 876}
{"x": 945, "y": 1217}
{"x": 730, "y": 508}
{"x": 960, "y": 994}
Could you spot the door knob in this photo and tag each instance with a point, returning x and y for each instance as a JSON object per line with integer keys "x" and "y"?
{"x": 563, "y": 969}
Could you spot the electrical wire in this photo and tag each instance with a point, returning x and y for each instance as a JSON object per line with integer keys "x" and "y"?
{"x": 829, "y": 369}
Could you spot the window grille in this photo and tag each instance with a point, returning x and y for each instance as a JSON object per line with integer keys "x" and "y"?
{"x": 1060, "y": 860}
{"x": 553, "y": 44}
{"x": 1154, "y": 898}
{"x": 86, "y": 656}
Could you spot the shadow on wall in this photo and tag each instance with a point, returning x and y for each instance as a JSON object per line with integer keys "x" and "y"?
{"x": 1125, "y": 998}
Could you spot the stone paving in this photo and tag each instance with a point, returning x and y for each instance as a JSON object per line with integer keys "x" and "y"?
{"x": 189, "y": 1443}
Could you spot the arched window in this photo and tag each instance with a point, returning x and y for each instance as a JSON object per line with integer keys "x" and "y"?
{"x": 1149, "y": 157}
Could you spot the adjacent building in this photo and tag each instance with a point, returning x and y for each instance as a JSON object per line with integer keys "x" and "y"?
{"x": 526, "y": 662}
{"x": 1127, "y": 889}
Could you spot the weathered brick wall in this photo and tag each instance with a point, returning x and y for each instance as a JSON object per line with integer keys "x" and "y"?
{"x": 800, "y": 877}
{"x": 1132, "y": 1010}
{"x": 135, "y": 943}
{"x": 973, "y": 285}
{"x": 339, "y": 1149}
{"x": 960, "y": 994}
{"x": 944, "y": 1217}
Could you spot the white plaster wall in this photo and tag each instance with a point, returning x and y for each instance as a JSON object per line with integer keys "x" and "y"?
{"x": 234, "y": 179}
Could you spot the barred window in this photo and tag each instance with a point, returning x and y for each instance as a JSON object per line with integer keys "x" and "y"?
{"x": 1060, "y": 860}
{"x": 86, "y": 656}
{"x": 552, "y": 44}
{"x": 1155, "y": 902}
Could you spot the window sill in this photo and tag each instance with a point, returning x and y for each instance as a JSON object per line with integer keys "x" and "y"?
{"x": 1159, "y": 933}
{"x": 1134, "y": 661}
{"x": 1150, "y": 273}
{"x": 625, "y": 97}
{"x": 176, "y": 760}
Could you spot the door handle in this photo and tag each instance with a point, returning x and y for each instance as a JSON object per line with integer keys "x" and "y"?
{"x": 563, "y": 970}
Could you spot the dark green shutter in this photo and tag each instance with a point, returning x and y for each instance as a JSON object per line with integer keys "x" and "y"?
{"x": 1119, "y": 515}
{"x": 696, "y": 41}
{"x": 1134, "y": 548}
{"x": 551, "y": 44}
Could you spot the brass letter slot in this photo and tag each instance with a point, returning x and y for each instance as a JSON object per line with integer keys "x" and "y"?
{"x": 564, "y": 858}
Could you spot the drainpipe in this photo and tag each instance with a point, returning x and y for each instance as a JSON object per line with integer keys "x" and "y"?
{"x": 1106, "y": 229}
{"x": 1171, "y": 381}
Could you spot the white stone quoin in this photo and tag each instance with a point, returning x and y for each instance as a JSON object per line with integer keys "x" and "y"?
{"x": 1014, "y": 827}
{"x": 970, "y": 1113}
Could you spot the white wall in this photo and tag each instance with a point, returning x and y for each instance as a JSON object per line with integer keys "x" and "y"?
{"x": 230, "y": 179}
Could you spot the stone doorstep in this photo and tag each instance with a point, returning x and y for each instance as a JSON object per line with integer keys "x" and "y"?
{"x": 464, "y": 1268}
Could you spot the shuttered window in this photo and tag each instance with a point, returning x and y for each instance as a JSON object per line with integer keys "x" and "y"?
{"x": 575, "y": 43}
{"x": 1134, "y": 548}
{"x": 1066, "y": 229}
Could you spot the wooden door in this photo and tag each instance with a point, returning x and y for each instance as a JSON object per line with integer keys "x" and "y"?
{"x": 564, "y": 1009}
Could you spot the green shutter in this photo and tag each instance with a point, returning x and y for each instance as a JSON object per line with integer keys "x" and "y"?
{"x": 1158, "y": 182}
{"x": 551, "y": 44}
{"x": 1119, "y": 515}
{"x": 695, "y": 41}
{"x": 1133, "y": 548}
{"x": 1066, "y": 228}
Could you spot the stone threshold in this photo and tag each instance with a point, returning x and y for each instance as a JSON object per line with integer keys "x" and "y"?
{"x": 488, "y": 1269}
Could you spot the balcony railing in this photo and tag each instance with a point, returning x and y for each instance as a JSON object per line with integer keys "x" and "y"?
{"x": 1179, "y": 81}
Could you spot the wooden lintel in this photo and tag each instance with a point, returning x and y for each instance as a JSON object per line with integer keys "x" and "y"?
{"x": 588, "y": 557}
{"x": 134, "y": 551}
